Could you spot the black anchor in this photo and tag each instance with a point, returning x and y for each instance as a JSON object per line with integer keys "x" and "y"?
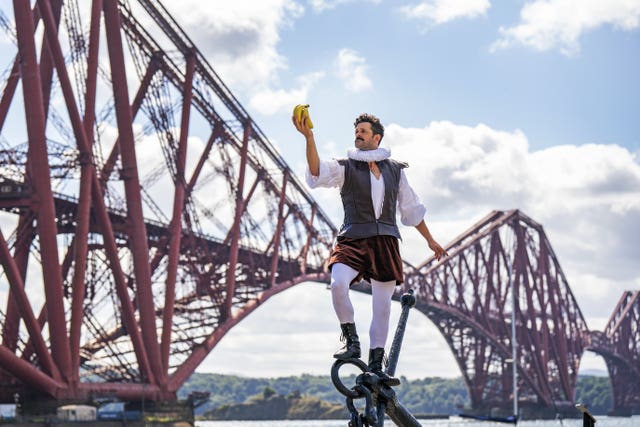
{"x": 379, "y": 397}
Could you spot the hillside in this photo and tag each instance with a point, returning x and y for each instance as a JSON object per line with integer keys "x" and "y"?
{"x": 308, "y": 396}
{"x": 269, "y": 405}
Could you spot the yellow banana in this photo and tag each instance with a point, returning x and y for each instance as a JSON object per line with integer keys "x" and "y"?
{"x": 301, "y": 111}
{"x": 297, "y": 112}
{"x": 305, "y": 114}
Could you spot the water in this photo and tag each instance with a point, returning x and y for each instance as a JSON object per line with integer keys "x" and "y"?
{"x": 601, "y": 421}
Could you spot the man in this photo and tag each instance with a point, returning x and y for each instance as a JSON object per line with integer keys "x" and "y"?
{"x": 371, "y": 186}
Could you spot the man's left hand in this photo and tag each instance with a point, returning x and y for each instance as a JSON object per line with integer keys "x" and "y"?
{"x": 437, "y": 250}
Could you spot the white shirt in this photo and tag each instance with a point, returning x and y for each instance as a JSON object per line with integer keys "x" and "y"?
{"x": 331, "y": 175}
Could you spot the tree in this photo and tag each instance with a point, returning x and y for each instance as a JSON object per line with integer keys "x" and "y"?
{"x": 268, "y": 392}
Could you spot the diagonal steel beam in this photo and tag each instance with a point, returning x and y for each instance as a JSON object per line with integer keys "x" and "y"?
{"x": 176, "y": 221}
{"x": 137, "y": 230}
{"x": 40, "y": 172}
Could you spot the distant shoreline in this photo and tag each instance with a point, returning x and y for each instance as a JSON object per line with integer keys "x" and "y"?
{"x": 429, "y": 396}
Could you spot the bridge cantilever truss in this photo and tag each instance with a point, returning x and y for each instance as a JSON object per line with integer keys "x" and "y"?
{"x": 153, "y": 222}
{"x": 503, "y": 264}
{"x": 619, "y": 345}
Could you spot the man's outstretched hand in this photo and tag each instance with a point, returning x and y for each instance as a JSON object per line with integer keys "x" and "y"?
{"x": 437, "y": 250}
{"x": 433, "y": 245}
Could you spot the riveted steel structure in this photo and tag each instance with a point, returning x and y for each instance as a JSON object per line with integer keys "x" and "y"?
{"x": 619, "y": 345}
{"x": 504, "y": 268}
{"x": 144, "y": 212}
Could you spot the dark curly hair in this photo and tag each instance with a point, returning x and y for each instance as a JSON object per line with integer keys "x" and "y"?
{"x": 376, "y": 126}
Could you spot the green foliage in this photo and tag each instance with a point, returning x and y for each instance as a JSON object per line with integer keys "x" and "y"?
{"x": 298, "y": 397}
{"x": 428, "y": 396}
{"x": 278, "y": 407}
{"x": 594, "y": 393}
{"x": 433, "y": 395}
{"x": 268, "y": 392}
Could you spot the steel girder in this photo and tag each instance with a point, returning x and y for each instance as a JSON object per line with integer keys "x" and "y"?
{"x": 125, "y": 223}
{"x": 123, "y": 261}
{"x": 505, "y": 259}
{"x": 619, "y": 345}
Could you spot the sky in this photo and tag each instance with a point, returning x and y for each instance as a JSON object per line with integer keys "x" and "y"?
{"x": 531, "y": 105}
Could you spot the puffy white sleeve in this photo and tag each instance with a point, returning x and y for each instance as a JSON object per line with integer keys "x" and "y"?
{"x": 411, "y": 209}
{"x": 331, "y": 175}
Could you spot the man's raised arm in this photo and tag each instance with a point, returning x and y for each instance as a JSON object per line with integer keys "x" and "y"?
{"x": 313, "y": 160}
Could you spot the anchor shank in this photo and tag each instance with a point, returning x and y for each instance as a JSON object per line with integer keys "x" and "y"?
{"x": 398, "y": 413}
{"x": 408, "y": 301}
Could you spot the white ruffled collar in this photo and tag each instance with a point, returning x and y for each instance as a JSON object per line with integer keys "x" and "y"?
{"x": 376, "y": 155}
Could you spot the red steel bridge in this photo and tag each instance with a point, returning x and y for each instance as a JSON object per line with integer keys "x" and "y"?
{"x": 143, "y": 214}
{"x": 502, "y": 284}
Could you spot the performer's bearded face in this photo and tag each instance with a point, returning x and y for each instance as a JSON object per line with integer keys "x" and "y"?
{"x": 365, "y": 139}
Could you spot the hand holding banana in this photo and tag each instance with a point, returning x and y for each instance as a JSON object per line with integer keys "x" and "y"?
{"x": 300, "y": 113}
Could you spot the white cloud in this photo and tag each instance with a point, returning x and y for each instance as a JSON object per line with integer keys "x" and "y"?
{"x": 442, "y": 11}
{"x": 449, "y": 160}
{"x": 238, "y": 38}
{"x": 322, "y": 5}
{"x": 550, "y": 24}
{"x": 352, "y": 69}
{"x": 270, "y": 101}
{"x": 587, "y": 198}
{"x": 302, "y": 322}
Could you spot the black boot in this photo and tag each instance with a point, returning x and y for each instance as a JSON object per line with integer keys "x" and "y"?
{"x": 376, "y": 355}
{"x": 351, "y": 350}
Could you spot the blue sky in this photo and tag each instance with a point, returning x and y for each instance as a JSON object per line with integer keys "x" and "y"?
{"x": 496, "y": 105}
{"x": 575, "y": 86}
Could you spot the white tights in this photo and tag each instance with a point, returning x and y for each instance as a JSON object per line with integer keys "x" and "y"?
{"x": 381, "y": 293}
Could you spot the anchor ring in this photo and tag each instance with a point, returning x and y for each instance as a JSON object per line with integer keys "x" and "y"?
{"x": 337, "y": 382}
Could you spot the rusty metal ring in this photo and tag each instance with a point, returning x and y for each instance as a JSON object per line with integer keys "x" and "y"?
{"x": 337, "y": 382}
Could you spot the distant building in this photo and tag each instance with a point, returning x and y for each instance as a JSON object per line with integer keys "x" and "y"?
{"x": 76, "y": 413}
